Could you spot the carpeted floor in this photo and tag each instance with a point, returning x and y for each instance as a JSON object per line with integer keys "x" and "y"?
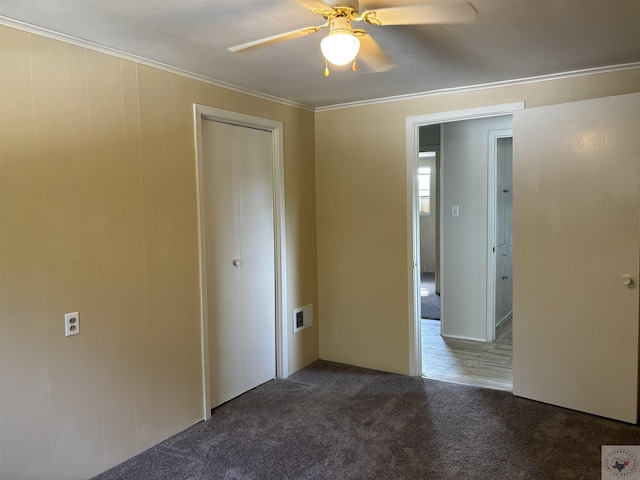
{"x": 429, "y": 300}
{"x": 332, "y": 421}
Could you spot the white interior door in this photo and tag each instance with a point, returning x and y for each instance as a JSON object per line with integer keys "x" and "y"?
{"x": 240, "y": 271}
{"x": 576, "y": 236}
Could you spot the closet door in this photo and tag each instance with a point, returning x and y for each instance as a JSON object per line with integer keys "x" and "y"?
{"x": 506, "y": 144}
{"x": 576, "y": 236}
{"x": 501, "y": 195}
{"x": 504, "y": 191}
{"x": 239, "y": 250}
{"x": 504, "y": 230}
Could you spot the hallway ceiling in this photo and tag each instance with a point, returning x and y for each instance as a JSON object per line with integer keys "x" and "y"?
{"x": 511, "y": 39}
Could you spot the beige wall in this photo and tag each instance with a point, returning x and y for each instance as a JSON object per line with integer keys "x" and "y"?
{"x": 98, "y": 214}
{"x": 361, "y": 212}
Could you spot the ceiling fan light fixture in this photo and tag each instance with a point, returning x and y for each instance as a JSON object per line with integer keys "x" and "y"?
{"x": 341, "y": 46}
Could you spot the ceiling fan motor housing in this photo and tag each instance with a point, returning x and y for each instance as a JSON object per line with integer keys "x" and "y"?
{"x": 340, "y": 25}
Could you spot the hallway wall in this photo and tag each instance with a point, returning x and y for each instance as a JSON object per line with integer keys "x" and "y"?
{"x": 465, "y": 165}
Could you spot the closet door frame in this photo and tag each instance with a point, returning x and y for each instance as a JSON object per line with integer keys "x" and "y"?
{"x": 203, "y": 112}
{"x": 492, "y": 201}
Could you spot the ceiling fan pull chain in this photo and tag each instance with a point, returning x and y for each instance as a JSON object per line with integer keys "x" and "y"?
{"x": 326, "y": 68}
{"x": 354, "y": 67}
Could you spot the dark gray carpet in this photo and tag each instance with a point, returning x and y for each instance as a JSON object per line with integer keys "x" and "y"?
{"x": 430, "y": 303}
{"x": 332, "y": 421}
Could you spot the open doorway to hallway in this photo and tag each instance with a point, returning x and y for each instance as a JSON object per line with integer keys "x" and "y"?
{"x": 469, "y": 340}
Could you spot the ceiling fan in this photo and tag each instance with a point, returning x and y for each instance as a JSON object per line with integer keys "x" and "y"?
{"x": 344, "y": 42}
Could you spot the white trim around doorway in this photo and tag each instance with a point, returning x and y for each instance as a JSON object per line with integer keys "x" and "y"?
{"x": 413, "y": 125}
{"x": 275, "y": 128}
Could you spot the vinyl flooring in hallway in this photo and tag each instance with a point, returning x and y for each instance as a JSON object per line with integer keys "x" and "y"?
{"x": 485, "y": 364}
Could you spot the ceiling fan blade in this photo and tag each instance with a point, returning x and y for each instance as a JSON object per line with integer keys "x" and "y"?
{"x": 373, "y": 56}
{"x": 314, "y": 5}
{"x": 263, "y": 42}
{"x": 434, "y": 14}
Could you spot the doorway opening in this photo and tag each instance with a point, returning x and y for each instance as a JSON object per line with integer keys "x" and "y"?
{"x": 462, "y": 346}
{"x": 429, "y": 221}
{"x": 462, "y": 272}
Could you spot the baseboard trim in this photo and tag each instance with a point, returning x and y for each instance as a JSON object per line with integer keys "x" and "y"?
{"x": 462, "y": 337}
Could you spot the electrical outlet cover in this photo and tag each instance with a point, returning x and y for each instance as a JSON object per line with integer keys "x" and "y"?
{"x": 71, "y": 324}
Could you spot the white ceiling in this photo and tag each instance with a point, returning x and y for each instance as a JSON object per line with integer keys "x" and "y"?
{"x": 511, "y": 39}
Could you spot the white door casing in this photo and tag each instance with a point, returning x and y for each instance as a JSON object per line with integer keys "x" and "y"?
{"x": 412, "y": 127}
{"x": 576, "y": 234}
{"x": 260, "y": 185}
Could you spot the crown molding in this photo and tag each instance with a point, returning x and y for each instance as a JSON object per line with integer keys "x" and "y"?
{"x": 44, "y": 32}
{"x": 483, "y": 86}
